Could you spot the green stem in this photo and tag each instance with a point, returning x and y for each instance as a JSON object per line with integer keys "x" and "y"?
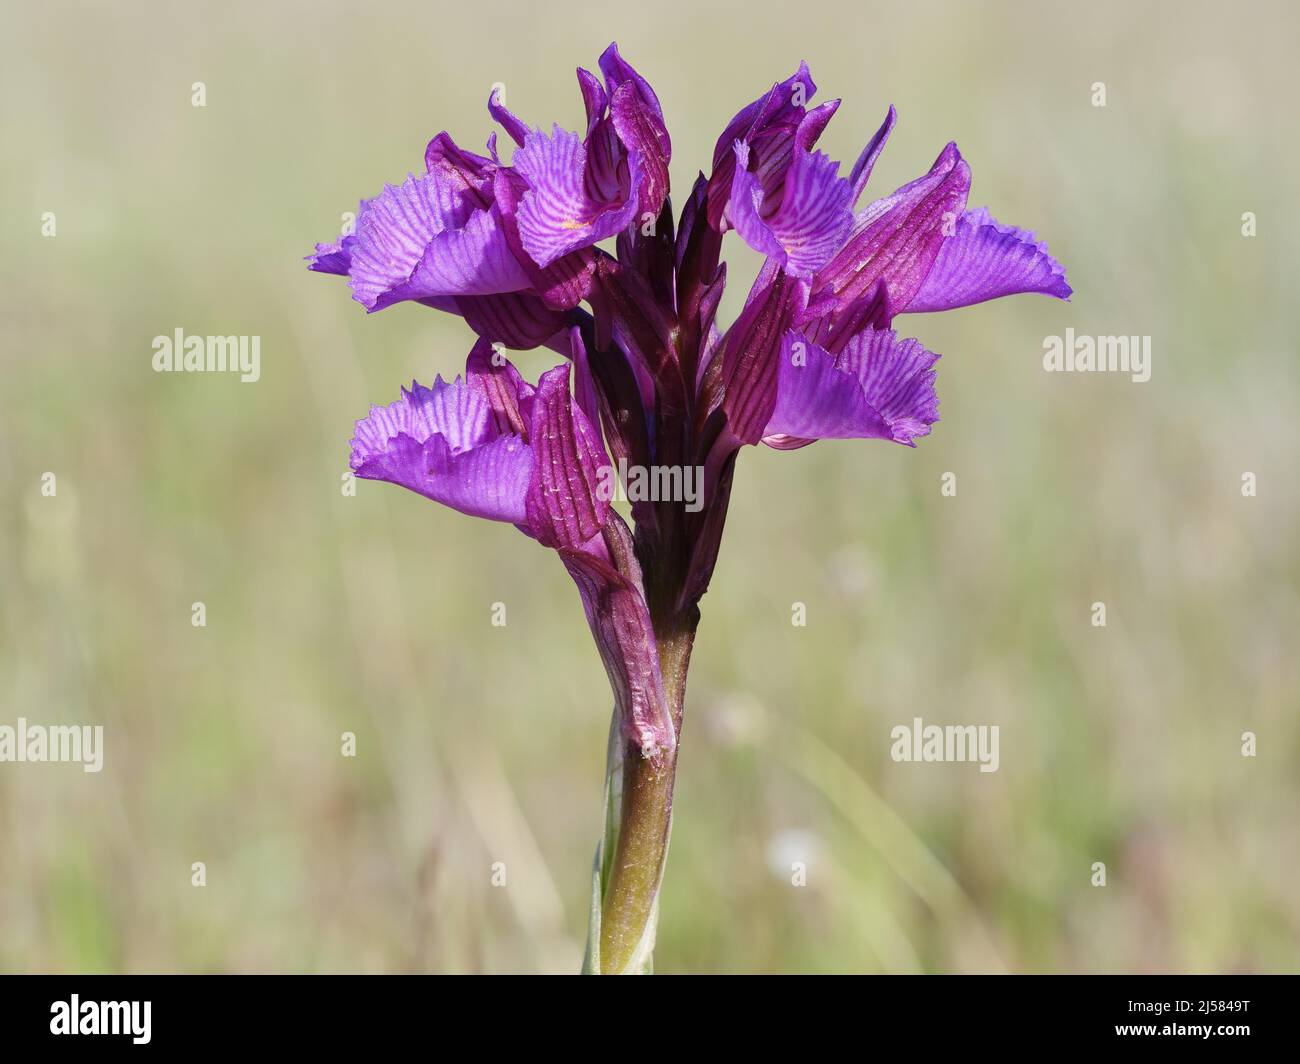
{"x": 636, "y": 867}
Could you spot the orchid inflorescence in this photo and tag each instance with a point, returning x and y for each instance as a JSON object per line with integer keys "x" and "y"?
{"x": 651, "y": 381}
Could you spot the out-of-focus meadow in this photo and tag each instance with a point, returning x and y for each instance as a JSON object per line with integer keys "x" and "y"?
{"x": 480, "y": 744}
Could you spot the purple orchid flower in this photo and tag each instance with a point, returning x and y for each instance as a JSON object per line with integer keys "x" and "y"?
{"x": 657, "y": 385}
{"x": 491, "y": 445}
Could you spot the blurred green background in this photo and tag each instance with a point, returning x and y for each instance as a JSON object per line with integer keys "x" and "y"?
{"x": 479, "y": 744}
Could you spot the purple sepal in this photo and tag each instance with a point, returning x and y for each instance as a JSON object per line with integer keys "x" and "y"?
{"x": 565, "y": 505}
{"x": 897, "y": 239}
{"x": 750, "y": 352}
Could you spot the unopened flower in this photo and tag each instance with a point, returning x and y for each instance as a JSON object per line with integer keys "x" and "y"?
{"x": 651, "y": 380}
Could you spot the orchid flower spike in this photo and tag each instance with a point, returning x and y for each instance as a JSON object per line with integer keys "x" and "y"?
{"x": 655, "y": 399}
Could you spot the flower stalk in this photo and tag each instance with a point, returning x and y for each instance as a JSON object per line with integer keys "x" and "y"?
{"x": 633, "y": 874}
{"x": 630, "y": 903}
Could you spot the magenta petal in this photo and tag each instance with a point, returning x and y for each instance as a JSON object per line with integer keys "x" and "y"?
{"x": 607, "y": 164}
{"x": 745, "y": 208}
{"x": 442, "y": 442}
{"x": 472, "y": 172}
{"x": 473, "y": 261}
{"x": 509, "y": 397}
{"x": 490, "y": 481}
{"x": 813, "y": 216}
{"x": 426, "y": 238}
{"x": 556, "y": 215}
{"x": 618, "y": 71}
{"x": 564, "y": 283}
{"x": 594, "y": 97}
{"x": 814, "y": 123}
{"x": 879, "y": 387}
{"x": 584, "y": 384}
{"x": 393, "y": 234}
{"x": 638, "y": 119}
{"x": 518, "y": 320}
{"x": 645, "y": 137}
{"x": 516, "y": 129}
{"x": 450, "y": 409}
{"x": 333, "y": 258}
{"x": 817, "y": 400}
{"x": 985, "y": 259}
{"x": 897, "y": 378}
{"x": 833, "y": 327}
{"x": 336, "y": 257}
{"x": 861, "y": 172}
